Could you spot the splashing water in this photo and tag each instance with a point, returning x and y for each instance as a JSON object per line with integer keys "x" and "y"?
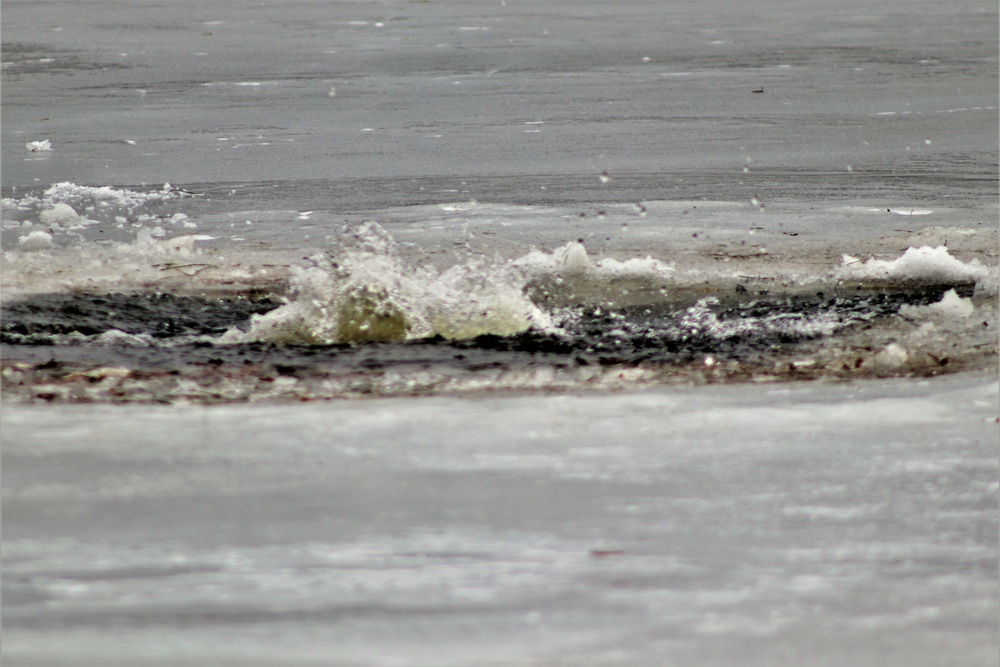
{"x": 369, "y": 316}
{"x": 367, "y": 293}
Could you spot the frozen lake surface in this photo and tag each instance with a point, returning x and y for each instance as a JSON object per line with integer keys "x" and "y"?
{"x": 433, "y": 333}
{"x": 821, "y": 525}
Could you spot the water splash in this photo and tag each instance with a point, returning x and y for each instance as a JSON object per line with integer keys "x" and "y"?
{"x": 363, "y": 291}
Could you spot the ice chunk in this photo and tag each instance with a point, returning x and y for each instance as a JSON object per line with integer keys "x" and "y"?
{"x": 911, "y": 211}
{"x": 118, "y": 337}
{"x": 37, "y": 240}
{"x": 571, "y": 256}
{"x": 66, "y": 191}
{"x": 951, "y": 305}
{"x": 182, "y": 245}
{"x": 915, "y": 265}
{"x": 989, "y": 284}
{"x": 635, "y": 266}
{"x": 61, "y": 215}
{"x": 891, "y": 357}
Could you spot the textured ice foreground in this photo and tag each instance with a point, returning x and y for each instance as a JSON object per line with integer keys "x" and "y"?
{"x": 812, "y": 525}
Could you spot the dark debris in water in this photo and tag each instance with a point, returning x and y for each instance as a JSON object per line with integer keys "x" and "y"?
{"x": 160, "y": 315}
{"x": 741, "y": 338}
{"x": 643, "y": 333}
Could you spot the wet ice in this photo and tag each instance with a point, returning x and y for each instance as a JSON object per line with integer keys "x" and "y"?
{"x": 570, "y": 494}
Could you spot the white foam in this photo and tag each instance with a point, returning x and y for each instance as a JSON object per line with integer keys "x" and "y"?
{"x": 39, "y": 146}
{"x": 916, "y": 265}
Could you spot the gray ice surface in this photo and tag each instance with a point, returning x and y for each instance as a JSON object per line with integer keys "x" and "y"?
{"x": 848, "y": 524}
{"x": 505, "y": 102}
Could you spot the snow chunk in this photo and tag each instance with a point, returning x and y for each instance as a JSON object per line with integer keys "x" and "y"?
{"x": 66, "y": 191}
{"x": 571, "y": 256}
{"x": 951, "y": 305}
{"x": 119, "y": 337}
{"x": 635, "y": 266}
{"x": 989, "y": 284}
{"x": 37, "y": 240}
{"x": 147, "y": 243}
{"x": 916, "y": 265}
{"x": 892, "y": 356}
{"x": 62, "y": 215}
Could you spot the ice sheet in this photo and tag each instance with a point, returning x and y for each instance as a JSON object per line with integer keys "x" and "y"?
{"x": 830, "y": 524}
